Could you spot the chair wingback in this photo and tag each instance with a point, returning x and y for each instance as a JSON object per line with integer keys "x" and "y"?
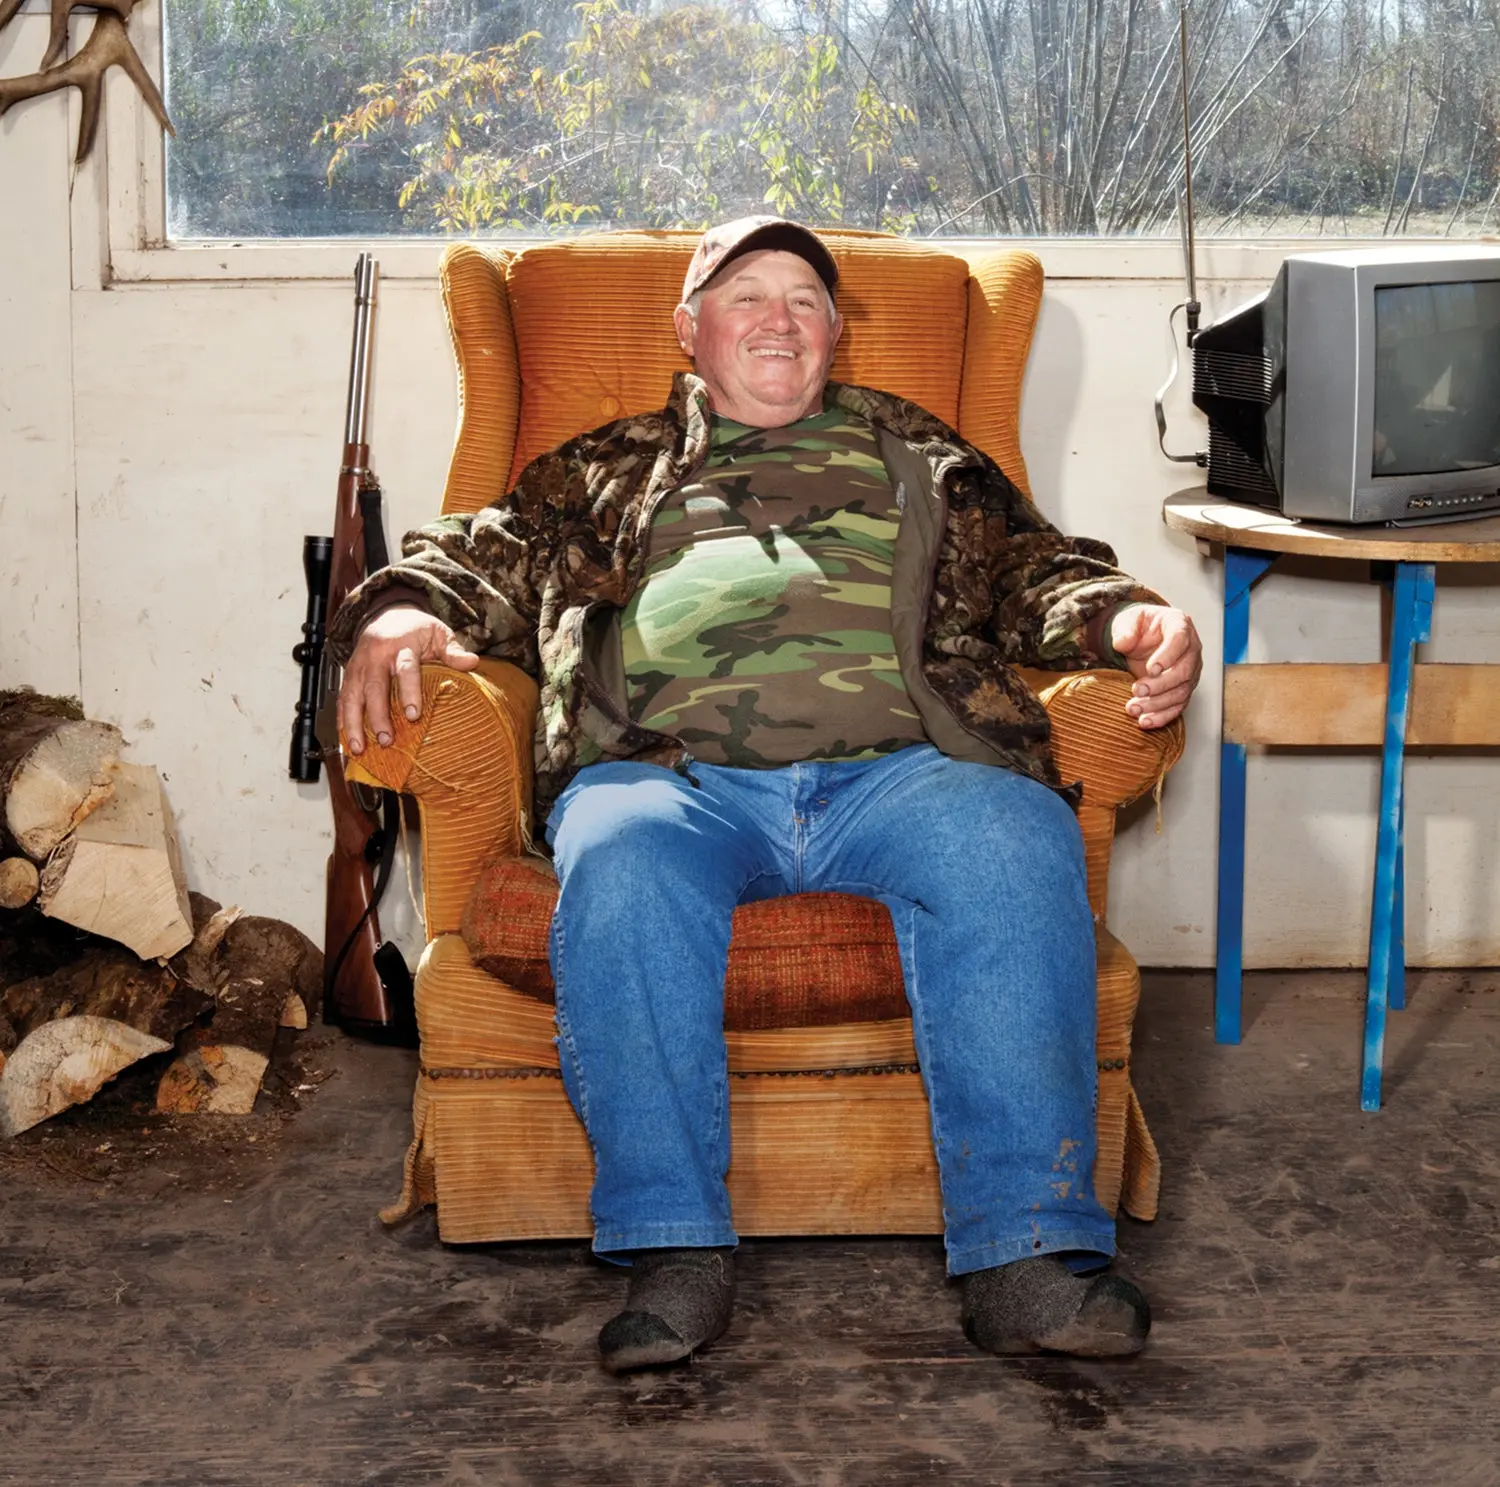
{"x": 568, "y": 334}
{"x": 1005, "y": 297}
{"x": 489, "y": 379}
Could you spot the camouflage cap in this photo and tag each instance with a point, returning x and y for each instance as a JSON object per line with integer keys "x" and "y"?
{"x": 719, "y": 245}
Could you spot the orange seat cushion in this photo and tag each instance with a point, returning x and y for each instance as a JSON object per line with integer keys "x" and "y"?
{"x": 808, "y": 960}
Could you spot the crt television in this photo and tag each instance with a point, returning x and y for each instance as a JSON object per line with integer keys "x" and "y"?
{"x": 1363, "y": 387}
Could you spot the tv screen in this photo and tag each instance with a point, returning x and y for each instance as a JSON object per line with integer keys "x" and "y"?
{"x": 1437, "y": 378}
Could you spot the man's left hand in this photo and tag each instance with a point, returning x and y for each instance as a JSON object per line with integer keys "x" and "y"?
{"x": 1164, "y": 654}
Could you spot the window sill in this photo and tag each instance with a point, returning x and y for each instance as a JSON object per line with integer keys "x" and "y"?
{"x": 417, "y": 258}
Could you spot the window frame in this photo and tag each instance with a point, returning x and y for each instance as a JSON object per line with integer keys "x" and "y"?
{"x": 138, "y": 252}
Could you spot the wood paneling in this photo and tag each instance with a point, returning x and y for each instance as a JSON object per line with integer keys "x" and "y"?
{"x": 1328, "y": 705}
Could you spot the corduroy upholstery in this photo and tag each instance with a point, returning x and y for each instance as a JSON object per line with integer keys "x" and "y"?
{"x": 829, "y": 1119}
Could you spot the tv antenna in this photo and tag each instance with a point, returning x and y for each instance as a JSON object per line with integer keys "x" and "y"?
{"x": 1185, "y": 221}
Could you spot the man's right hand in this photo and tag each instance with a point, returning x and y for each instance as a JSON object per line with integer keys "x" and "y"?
{"x": 394, "y": 643}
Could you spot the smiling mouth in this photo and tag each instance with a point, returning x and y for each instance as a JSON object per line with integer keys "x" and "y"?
{"x": 773, "y": 351}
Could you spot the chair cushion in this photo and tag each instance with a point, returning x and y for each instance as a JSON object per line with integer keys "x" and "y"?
{"x": 808, "y": 960}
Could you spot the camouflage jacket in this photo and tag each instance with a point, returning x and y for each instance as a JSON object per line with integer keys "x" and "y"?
{"x": 981, "y": 582}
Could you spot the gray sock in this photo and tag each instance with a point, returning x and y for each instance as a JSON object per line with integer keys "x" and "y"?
{"x": 1039, "y": 1305}
{"x": 678, "y": 1300}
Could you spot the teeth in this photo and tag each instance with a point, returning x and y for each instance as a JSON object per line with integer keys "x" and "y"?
{"x": 771, "y": 351}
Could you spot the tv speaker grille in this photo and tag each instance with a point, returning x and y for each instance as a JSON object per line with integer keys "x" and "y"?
{"x": 1242, "y": 375}
{"x": 1232, "y": 471}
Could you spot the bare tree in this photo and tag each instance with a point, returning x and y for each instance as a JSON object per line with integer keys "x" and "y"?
{"x": 1009, "y": 117}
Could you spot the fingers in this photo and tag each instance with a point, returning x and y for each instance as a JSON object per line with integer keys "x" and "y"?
{"x": 408, "y": 673}
{"x": 1184, "y": 673}
{"x": 1160, "y": 709}
{"x": 365, "y": 696}
{"x": 1177, "y": 641}
{"x": 1153, "y": 721}
{"x": 376, "y": 691}
{"x": 437, "y": 643}
{"x": 1171, "y": 672}
{"x": 457, "y": 657}
{"x": 351, "y": 712}
{"x": 393, "y": 647}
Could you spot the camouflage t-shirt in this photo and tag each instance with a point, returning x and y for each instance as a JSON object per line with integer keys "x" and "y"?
{"x": 761, "y": 632}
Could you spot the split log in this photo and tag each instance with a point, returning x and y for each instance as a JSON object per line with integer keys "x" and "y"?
{"x": 119, "y": 874}
{"x": 73, "y": 1030}
{"x": 19, "y": 881}
{"x": 55, "y": 768}
{"x": 198, "y": 964}
{"x": 267, "y": 974}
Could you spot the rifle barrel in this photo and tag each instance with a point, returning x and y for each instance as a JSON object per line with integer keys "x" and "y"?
{"x": 365, "y": 269}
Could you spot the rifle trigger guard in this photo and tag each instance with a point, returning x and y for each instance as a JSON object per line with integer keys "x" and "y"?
{"x": 368, "y": 799}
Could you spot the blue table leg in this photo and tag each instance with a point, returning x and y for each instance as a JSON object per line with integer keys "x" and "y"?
{"x": 1242, "y": 566}
{"x": 1396, "y": 987}
{"x": 1411, "y": 623}
{"x": 1385, "y": 574}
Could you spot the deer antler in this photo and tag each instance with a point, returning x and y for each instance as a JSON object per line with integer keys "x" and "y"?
{"x": 107, "y": 46}
{"x": 62, "y": 9}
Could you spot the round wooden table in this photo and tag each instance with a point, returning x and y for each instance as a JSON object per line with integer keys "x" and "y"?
{"x": 1254, "y": 527}
{"x": 1385, "y": 706}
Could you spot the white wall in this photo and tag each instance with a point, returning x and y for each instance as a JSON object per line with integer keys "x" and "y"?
{"x": 164, "y": 447}
{"x": 38, "y": 533}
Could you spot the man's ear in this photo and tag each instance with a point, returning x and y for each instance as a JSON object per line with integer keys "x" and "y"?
{"x": 838, "y": 330}
{"x": 686, "y": 325}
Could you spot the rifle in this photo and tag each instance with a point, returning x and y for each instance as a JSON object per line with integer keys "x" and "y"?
{"x": 366, "y": 985}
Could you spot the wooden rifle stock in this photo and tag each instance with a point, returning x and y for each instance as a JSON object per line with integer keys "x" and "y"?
{"x": 354, "y": 996}
{"x": 366, "y": 986}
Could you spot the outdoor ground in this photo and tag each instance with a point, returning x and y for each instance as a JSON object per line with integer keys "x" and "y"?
{"x": 187, "y": 1302}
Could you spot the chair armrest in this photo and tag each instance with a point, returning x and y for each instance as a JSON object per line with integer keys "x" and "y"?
{"x": 1095, "y": 740}
{"x": 468, "y": 761}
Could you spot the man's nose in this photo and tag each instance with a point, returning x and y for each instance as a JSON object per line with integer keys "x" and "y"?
{"x": 778, "y": 315}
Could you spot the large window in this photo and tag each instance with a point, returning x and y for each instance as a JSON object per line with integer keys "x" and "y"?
{"x": 318, "y": 118}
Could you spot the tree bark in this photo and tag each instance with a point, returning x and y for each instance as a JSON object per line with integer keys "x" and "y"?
{"x": 72, "y": 1031}
{"x": 267, "y": 975}
{"x": 19, "y": 881}
{"x": 55, "y": 769}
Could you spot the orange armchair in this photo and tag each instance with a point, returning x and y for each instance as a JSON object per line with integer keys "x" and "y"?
{"x": 829, "y": 1120}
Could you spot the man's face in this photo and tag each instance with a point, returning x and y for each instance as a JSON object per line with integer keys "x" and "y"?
{"x": 763, "y": 340}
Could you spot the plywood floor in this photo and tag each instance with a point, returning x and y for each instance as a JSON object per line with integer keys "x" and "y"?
{"x": 1326, "y": 1286}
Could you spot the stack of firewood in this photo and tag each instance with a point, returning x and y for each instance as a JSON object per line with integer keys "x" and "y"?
{"x": 87, "y": 840}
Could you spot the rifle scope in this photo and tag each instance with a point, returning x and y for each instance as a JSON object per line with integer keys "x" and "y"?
{"x": 307, "y": 755}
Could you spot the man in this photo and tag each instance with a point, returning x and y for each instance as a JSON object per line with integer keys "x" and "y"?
{"x": 774, "y": 625}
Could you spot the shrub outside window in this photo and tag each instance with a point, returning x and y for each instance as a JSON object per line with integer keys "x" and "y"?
{"x": 931, "y": 118}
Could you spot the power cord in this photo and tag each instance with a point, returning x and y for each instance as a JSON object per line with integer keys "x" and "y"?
{"x": 1194, "y": 309}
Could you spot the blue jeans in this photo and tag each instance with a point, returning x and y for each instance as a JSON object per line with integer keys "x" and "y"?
{"x": 982, "y": 871}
